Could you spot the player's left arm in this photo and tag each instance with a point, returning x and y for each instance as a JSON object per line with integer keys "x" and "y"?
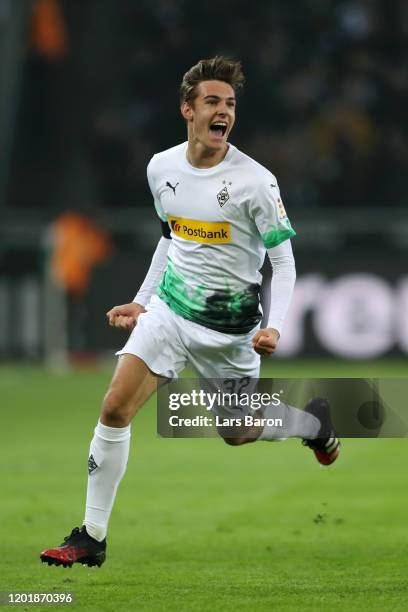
{"x": 265, "y": 341}
{"x": 269, "y": 214}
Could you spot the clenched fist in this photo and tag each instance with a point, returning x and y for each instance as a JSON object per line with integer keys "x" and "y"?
{"x": 125, "y": 316}
{"x": 265, "y": 341}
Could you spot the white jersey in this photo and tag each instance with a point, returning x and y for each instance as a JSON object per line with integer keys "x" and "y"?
{"x": 221, "y": 220}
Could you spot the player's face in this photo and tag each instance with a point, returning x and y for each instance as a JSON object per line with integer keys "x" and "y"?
{"x": 212, "y": 114}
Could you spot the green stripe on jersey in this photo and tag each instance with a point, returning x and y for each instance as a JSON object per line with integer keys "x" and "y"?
{"x": 276, "y": 236}
{"x": 222, "y": 309}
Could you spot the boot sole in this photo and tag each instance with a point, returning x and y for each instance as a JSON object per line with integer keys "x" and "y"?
{"x": 93, "y": 561}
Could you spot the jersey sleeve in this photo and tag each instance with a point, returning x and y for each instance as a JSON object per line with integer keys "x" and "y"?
{"x": 152, "y": 184}
{"x": 269, "y": 214}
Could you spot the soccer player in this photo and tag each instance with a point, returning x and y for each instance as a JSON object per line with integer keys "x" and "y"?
{"x": 220, "y": 212}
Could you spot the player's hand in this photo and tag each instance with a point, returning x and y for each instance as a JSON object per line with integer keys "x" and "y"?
{"x": 125, "y": 316}
{"x": 265, "y": 341}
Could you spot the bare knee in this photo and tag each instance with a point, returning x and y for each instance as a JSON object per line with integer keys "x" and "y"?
{"x": 116, "y": 409}
{"x": 237, "y": 441}
{"x": 243, "y": 435}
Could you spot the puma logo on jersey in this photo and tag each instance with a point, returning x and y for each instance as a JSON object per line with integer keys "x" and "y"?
{"x": 171, "y": 186}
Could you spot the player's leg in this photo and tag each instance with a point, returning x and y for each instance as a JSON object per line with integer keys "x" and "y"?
{"x": 152, "y": 354}
{"x": 132, "y": 385}
{"x": 312, "y": 424}
{"x": 232, "y": 358}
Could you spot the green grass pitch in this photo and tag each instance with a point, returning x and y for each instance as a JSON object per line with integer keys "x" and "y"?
{"x": 199, "y": 525}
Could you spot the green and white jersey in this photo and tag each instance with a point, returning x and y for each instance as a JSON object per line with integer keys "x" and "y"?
{"x": 221, "y": 220}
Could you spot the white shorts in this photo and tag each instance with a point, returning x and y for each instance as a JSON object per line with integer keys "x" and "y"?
{"x": 166, "y": 341}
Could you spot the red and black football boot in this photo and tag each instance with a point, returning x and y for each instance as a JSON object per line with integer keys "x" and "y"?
{"x": 326, "y": 446}
{"x": 78, "y": 547}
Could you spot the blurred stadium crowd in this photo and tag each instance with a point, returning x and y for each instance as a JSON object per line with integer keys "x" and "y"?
{"x": 89, "y": 92}
{"x": 324, "y": 107}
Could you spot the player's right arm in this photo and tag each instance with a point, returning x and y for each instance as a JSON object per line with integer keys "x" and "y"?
{"x": 126, "y": 315}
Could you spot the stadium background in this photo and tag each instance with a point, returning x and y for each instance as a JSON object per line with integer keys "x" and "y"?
{"x": 88, "y": 92}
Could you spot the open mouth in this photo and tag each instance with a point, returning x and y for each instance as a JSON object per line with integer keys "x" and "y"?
{"x": 218, "y": 128}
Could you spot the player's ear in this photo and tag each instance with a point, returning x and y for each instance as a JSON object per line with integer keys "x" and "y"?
{"x": 187, "y": 111}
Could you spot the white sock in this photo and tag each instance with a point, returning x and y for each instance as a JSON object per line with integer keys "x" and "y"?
{"x": 296, "y": 423}
{"x": 108, "y": 456}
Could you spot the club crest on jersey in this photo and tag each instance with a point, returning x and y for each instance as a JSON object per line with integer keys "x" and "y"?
{"x": 223, "y": 197}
